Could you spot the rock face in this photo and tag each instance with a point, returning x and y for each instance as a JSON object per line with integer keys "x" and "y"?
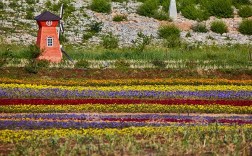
{"x": 17, "y": 27}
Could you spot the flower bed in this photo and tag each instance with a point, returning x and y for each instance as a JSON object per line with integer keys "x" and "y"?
{"x": 42, "y": 110}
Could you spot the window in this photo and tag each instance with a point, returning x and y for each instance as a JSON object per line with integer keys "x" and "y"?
{"x": 49, "y": 41}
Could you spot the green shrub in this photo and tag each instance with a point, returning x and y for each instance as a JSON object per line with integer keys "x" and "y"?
{"x": 161, "y": 15}
{"x": 141, "y": 41}
{"x": 95, "y": 27}
{"x": 246, "y": 27}
{"x": 1, "y": 5}
{"x": 82, "y": 64}
{"x": 148, "y": 8}
{"x": 103, "y": 6}
{"x": 168, "y": 30}
{"x": 181, "y": 4}
{"x": 241, "y": 2}
{"x": 194, "y": 13}
{"x": 119, "y": 18}
{"x": 33, "y": 51}
{"x": 159, "y": 63}
{"x": 42, "y": 64}
{"x": 87, "y": 35}
{"x": 220, "y": 8}
{"x": 219, "y": 27}
{"x": 245, "y": 11}
{"x": 120, "y": 1}
{"x": 32, "y": 67}
{"x": 3, "y": 61}
{"x": 165, "y": 5}
{"x": 110, "y": 41}
{"x": 172, "y": 41}
{"x": 30, "y": 2}
{"x": 29, "y": 15}
{"x": 121, "y": 64}
{"x": 200, "y": 28}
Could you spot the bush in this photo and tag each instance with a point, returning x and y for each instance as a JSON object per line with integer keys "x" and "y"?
{"x": 240, "y": 2}
{"x": 1, "y": 5}
{"x": 141, "y": 41}
{"x": 172, "y": 41}
{"x": 82, "y": 64}
{"x": 219, "y": 27}
{"x": 95, "y": 27}
{"x": 194, "y": 13}
{"x": 199, "y": 28}
{"x": 161, "y": 15}
{"x": 159, "y": 63}
{"x": 245, "y": 11}
{"x": 148, "y": 8}
{"x": 246, "y": 27}
{"x": 29, "y": 15}
{"x": 220, "y": 8}
{"x": 33, "y": 51}
{"x": 121, "y": 64}
{"x": 110, "y": 41}
{"x": 168, "y": 30}
{"x": 119, "y": 18}
{"x": 86, "y": 36}
{"x": 102, "y": 6}
{"x": 32, "y": 67}
{"x": 30, "y": 2}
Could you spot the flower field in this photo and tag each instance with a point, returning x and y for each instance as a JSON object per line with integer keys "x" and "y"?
{"x": 125, "y": 117}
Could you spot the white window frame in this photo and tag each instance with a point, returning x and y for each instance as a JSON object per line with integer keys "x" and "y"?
{"x": 49, "y": 42}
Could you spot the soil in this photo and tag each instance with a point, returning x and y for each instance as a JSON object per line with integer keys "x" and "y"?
{"x": 53, "y": 73}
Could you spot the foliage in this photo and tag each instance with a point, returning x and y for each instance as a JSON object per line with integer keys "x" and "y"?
{"x": 172, "y": 41}
{"x": 30, "y": 2}
{"x": 160, "y": 15}
{"x": 166, "y": 31}
{"x": 32, "y": 67}
{"x": 95, "y": 26}
{"x": 122, "y": 64}
{"x": 195, "y": 13}
{"x": 199, "y": 27}
{"x": 87, "y": 35}
{"x": 110, "y": 41}
{"x": 220, "y": 8}
{"x": 219, "y": 27}
{"x": 245, "y": 27}
{"x": 142, "y": 41}
{"x": 1, "y": 5}
{"x": 29, "y": 15}
{"x": 33, "y": 51}
{"x": 119, "y": 18}
{"x": 159, "y": 63}
{"x": 82, "y": 64}
{"x": 148, "y": 8}
{"x": 245, "y": 11}
{"x": 102, "y": 6}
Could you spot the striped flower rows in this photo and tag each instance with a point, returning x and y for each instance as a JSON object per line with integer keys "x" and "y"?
{"x": 41, "y": 121}
{"x": 90, "y": 82}
{"x": 137, "y": 91}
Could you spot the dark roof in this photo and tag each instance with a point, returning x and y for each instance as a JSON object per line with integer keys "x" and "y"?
{"x": 47, "y": 16}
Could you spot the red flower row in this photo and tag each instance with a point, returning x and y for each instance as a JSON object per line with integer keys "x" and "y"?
{"x": 124, "y": 101}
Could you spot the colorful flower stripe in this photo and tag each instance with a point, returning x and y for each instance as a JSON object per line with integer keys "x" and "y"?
{"x": 121, "y": 117}
{"x": 83, "y": 118}
{"x": 134, "y": 87}
{"x": 107, "y": 123}
{"x": 124, "y": 101}
{"x": 77, "y": 82}
{"x": 126, "y": 108}
{"x": 76, "y": 94}
{"x": 10, "y": 136}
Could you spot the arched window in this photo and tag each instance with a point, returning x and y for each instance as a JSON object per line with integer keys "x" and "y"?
{"x": 49, "y": 41}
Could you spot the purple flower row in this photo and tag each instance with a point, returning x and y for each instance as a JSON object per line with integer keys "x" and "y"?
{"x": 83, "y": 116}
{"x": 69, "y": 94}
{"x": 23, "y": 124}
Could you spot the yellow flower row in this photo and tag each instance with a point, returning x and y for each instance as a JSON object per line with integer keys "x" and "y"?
{"x": 131, "y": 108}
{"x": 13, "y": 136}
{"x": 81, "y": 82}
{"x": 135, "y": 87}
